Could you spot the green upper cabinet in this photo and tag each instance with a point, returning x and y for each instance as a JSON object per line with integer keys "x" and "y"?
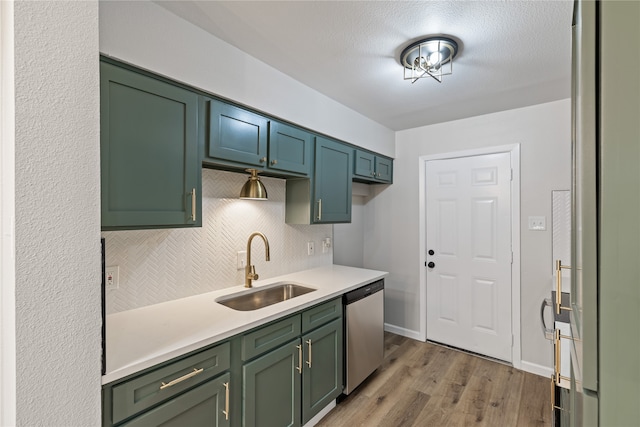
{"x": 370, "y": 167}
{"x": 326, "y": 198}
{"x": 332, "y": 182}
{"x": 289, "y": 149}
{"x": 150, "y": 166}
{"x": 239, "y": 138}
{"x": 237, "y": 135}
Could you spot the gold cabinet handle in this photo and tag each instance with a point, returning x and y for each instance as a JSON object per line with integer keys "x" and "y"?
{"x": 559, "y": 268}
{"x": 299, "y": 367}
{"x": 193, "y": 204}
{"x": 182, "y": 378}
{"x": 309, "y": 344}
{"x": 274, "y": 162}
{"x": 226, "y": 401}
{"x": 263, "y": 159}
{"x": 319, "y": 209}
{"x": 558, "y": 357}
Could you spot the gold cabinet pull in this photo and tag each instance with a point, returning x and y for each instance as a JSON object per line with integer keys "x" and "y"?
{"x": 309, "y": 344}
{"x": 299, "y": 367}
{"x": 226, "y": 401}
{"x": 558, "y": 356}
{"x": 274, "y": 162}
{"x": 182, "y": 378}
{"x": 319, "y": 209}
{"x": 193, "y": 204}
{"x": 559, "y": 268}
{"x": 263, "y": 159}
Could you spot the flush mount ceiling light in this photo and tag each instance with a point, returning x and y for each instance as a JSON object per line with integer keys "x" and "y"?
{"x": 253, "y": 189}
{"x": 429, "y": 57}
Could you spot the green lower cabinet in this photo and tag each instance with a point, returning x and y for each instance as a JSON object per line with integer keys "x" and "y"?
{"x": 271, "y": 388}
{"x": 205, "y": 405}
{"x": 322, "y": 371}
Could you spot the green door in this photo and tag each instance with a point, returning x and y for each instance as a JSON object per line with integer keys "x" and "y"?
{"x": 289, "y": 149}
{"x": 271, "y": 388}
{"x": 332, "y": 184}
{"x": 205, "y": 405}
{"x": 364, "y": 164}
{"x": 384, "y": 171}
{"x": 237, "y": 135}
{"x": 150, "y": 167}
{"x": 322, "y": 373}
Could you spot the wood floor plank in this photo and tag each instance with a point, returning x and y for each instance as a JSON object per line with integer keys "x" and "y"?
{"x": 535, "y": 407}
{"x": 429, "y": 385}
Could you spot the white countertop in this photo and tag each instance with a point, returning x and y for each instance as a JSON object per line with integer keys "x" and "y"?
{"x": 141, "y": 338}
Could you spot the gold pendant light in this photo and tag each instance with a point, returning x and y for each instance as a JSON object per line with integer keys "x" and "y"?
{"x": 253, "y": 189}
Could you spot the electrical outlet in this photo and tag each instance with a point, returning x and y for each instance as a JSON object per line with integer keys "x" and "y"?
{"x": 310, "y": 248}
{"x": 537, "y": 223}
{"x": 241, "y": 260}
{"x": 112, "y": 277}
{"x": 326, "y": 244}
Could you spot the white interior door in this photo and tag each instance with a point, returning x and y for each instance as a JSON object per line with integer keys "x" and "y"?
{"x": 468, "y": 230}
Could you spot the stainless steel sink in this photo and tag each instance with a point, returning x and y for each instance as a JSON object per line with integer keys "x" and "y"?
{"x": 264, "y": 296}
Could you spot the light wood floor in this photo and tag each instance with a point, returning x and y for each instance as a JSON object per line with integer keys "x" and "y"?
{"x": 422, "y": 384}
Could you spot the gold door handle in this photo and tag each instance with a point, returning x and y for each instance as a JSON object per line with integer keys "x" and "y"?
{"x": 193, "y": 204}
{"x": 182, "y": 378}
{"x": 559, "y": 268}
{"x": 309, "y": 344}
{"x": 226, "y": 401}
{"x": 299, "y": 367}
{"x": 558, "y": 357}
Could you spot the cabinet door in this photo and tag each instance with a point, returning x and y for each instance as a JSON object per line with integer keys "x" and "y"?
{"x": 332, "y": 184}
{"x": 384, "y": 169}
{"x": 364, "y": 164}
{"x": 150, "y": 167}
{"x": 205, "y": 405}
{"x": 237, "y": 135}
{"x": 322, "y": 377}
{"x": 271, "y": 388}
{"x": 289, "y": 149}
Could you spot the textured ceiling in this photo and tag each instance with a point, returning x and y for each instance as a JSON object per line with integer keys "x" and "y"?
{"x": 513, "y": 53}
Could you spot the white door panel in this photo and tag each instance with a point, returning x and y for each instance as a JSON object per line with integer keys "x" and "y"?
{"x": 469, "y": 229}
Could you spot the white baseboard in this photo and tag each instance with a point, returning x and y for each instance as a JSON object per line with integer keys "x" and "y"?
{"x": 402, "y": 331}
{"x": 534, "y": 368}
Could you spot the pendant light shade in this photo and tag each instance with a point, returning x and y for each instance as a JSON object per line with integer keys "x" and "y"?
{"x": 253, "y": 189}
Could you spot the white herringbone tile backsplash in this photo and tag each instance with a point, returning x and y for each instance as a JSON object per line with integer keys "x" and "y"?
{"x": 162, "y": 265}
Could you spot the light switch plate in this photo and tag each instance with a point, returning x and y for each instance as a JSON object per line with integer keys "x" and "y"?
{"x": 537, "y": 223}
{"x": 310, "y": 248}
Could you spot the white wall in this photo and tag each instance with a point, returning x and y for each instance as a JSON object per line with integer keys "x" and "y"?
{"x": 57, "y": 228}
{"x": 150, "y": 37}
{"x": 162, "y": 265}
{"x": 391, "y": 232}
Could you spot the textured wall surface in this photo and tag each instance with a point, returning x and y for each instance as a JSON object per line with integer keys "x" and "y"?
{"x": 161, "y": 265}
{"x": 57, "y": 204}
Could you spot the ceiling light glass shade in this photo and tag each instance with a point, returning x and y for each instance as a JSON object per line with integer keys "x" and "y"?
{"x": 430, "y": 57}
{"x": 253, "y": 189}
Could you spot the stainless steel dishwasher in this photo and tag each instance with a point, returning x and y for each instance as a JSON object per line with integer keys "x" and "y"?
{"x": 364, "y": 333}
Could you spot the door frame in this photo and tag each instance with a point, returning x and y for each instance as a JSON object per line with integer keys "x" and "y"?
{"x": 514, "y": 150}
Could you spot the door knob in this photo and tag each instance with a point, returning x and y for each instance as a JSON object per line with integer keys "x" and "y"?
{"x": 431, "y": 264}
{"x": 431, "y": 252}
